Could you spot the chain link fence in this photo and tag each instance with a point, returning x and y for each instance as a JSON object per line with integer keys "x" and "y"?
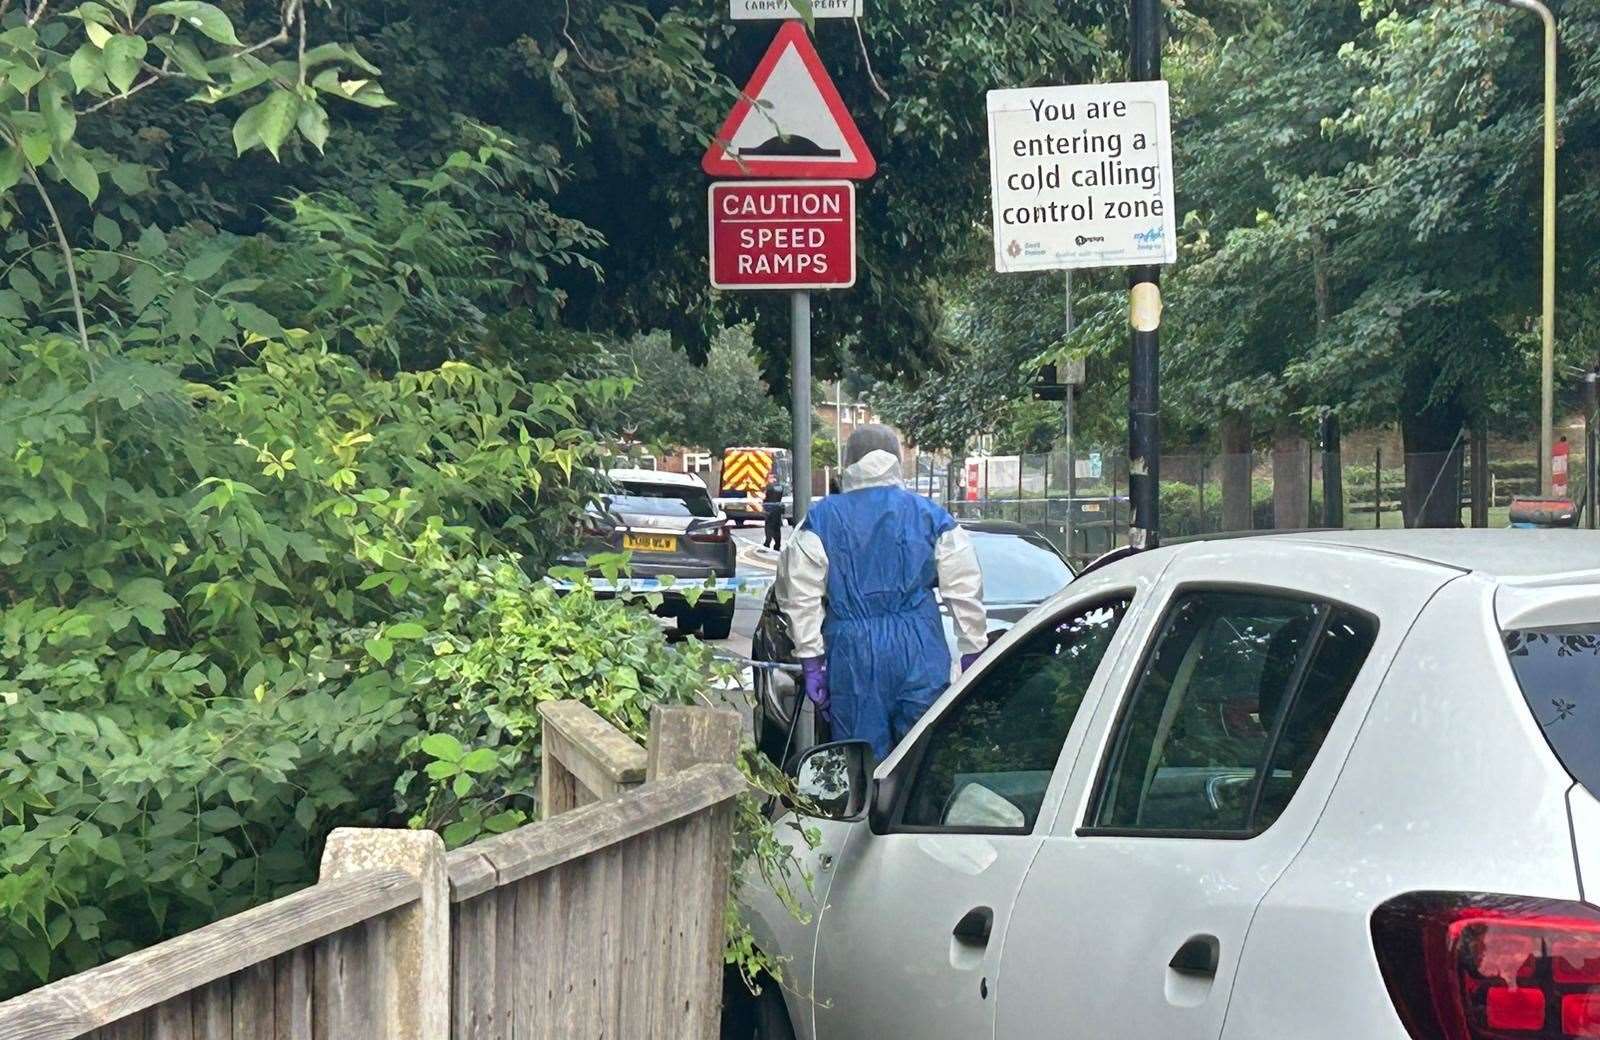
{"x": 1085, "y": 510}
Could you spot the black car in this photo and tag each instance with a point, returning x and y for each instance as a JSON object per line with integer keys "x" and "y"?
{"x": 1020, "y": 570}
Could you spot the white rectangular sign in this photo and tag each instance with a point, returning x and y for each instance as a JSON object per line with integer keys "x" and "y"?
{"x": 769, "y": 10}
{"x": 1082, "y": 176}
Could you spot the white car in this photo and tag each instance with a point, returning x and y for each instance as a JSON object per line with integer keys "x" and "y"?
{"x": 1333, "y": 786}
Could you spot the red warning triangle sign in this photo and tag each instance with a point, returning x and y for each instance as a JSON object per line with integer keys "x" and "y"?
{"x": 790, "y": 121}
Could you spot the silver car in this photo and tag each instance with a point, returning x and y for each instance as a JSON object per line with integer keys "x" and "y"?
{"x": 1318, "y": 786}
{"x": 668, "y": 524}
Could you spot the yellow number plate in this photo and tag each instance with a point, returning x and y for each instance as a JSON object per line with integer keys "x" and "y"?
{"x": 650, "y": 542}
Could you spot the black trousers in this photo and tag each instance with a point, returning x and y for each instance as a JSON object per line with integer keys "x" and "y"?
{"x": 774, "y": 531}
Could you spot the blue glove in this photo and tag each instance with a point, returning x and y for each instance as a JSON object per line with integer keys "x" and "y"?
{"x": 968, "y": 660}
{"x": 815, "y": 670}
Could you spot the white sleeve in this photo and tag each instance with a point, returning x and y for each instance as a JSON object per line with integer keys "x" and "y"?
{"x": 961, "y": 584}
{"x": 802, "y": 581}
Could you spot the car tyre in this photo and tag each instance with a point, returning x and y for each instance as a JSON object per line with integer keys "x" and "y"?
{"x": 747, "y": 1016}
{"x": 715, "y": 622}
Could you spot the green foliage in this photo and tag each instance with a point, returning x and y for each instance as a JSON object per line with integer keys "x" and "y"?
{"x": 714, "y": 406}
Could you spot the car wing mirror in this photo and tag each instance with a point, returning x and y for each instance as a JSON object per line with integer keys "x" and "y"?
{"x": 834, "y": 781}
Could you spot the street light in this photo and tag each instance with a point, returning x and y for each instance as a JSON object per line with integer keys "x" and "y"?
{"x": 1547, "y": 398}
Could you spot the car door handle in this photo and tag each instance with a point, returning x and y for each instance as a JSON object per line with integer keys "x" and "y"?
{"x": 975, "y": 928}
{"x": 1197, "y": 958}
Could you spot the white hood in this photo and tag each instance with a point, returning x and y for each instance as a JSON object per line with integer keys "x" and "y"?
{"x": 874, "y": 469}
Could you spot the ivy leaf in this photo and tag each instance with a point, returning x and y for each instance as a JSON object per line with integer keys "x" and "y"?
{"x": 87, "y": 68}
{"x": 148, "y": 599}
{"x": 59, "y": 117}
{"x": 253, "y": 319}
{"x": 132, "y": 178}
{"x": 26, "y": 285}
{"x": 222, "y": 818}
{"x": 459, "y": 833}
{"x": 186, "y": 56}
{"x": 267, "y": 123}
{"x": 313, "y": 123}
{"x": 499, "y": 823}
{"x": 123, "y": 56}
{"x": 107, "y": 231}
{"x": 481, "y": 760}
{"x": 207, "y": 19}
{"x": 144, "y": 285}
{"x": 93, "y": 13}
{"x": 72, "y": 512}
{"x": 443, "y": 746}
{"x": 37, "y": 147}
{"x": 379, "y": 650}
{"x": 98, "y": 34}
{"x": 152, "y": 241}
{"x": 208, "y": 263}
{"x": 10, "y": 168}
{"x": 406, "y": 630}
{"x": 79, "y": 172}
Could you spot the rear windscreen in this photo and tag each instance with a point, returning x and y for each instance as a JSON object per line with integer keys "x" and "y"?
{"x": 1559, "y": 672}
{"x": 662, "y": 500}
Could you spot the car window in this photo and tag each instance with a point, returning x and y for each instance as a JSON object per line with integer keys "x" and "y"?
{"x": 1017, "y": 571}
{"x": 662, "y": 500}
{"x": 1559, "y": 672}
{"x": 1229, "y": 712}
{"x": 987, "y": 761}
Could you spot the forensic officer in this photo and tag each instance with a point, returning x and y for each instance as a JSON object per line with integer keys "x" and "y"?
{"x": 857, "y": 582}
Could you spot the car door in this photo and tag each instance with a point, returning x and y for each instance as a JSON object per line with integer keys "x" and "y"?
{"x": 907, "y": 940}
{"x": 1198, "y": 785}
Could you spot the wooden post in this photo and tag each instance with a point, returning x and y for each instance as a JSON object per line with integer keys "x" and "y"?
{"x": 681, "y": 738}
{"x": 416, "y": 959}
{"x": 584, "y": 758}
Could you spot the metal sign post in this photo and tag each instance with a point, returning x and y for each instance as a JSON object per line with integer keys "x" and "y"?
{"x": 800, "y": 398}
{"x": 1144, "y": 298}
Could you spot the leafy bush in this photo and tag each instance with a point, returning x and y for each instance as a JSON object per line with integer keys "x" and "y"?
{"x": 228, "y": 615}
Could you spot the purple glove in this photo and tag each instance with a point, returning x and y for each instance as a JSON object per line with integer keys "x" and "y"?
{"x": 815, "y": 670}
{"x": 968, "y": 660}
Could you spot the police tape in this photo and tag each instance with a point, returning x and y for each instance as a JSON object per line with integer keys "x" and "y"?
{"x": 759, "y": 583}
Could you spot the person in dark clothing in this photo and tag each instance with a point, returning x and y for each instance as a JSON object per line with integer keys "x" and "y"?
{"x": 772, "y": 505}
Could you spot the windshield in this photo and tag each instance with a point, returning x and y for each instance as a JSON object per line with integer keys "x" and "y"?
{"x": 662, "y": 500}
{"x": 1016, "y": 570}
{"x": 1559, "y": 672}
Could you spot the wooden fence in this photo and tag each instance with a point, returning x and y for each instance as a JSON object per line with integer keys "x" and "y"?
{"x": 604, "y": 921}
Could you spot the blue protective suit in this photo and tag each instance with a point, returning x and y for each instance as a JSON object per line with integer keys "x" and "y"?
{"x": 881, "y": 553}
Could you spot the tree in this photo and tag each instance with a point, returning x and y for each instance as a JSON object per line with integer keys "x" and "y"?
{"x": 716, "y": 405}
{"x": 1361, "y": 197}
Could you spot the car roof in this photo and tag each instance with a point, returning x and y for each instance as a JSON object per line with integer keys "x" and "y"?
{"x": 1503, "y": 555}
{"x": 996, "y": 527}
{"x": 1499, "y": 553}
{"x": 656, "y": 476}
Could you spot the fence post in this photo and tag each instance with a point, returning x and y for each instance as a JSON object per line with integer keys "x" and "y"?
{"x": 416, "y": 958}
{"x": 682, "y": 737}
{"x": 1203, "y": 465}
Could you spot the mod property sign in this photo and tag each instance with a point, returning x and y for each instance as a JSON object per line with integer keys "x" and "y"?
{"x": 764, "y": 10}
{"x": 783, "y": 235}
{"x": 1082, "y": 176}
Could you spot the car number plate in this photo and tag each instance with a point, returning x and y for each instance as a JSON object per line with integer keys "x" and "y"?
{"x": 650, "y": 542}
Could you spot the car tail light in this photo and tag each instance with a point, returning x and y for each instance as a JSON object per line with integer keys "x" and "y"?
{"x": 1464, "y": 966}
{"x": 718, "y": 533}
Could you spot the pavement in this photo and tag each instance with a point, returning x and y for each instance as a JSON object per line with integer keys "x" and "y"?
{"x": 754, "y": 562}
